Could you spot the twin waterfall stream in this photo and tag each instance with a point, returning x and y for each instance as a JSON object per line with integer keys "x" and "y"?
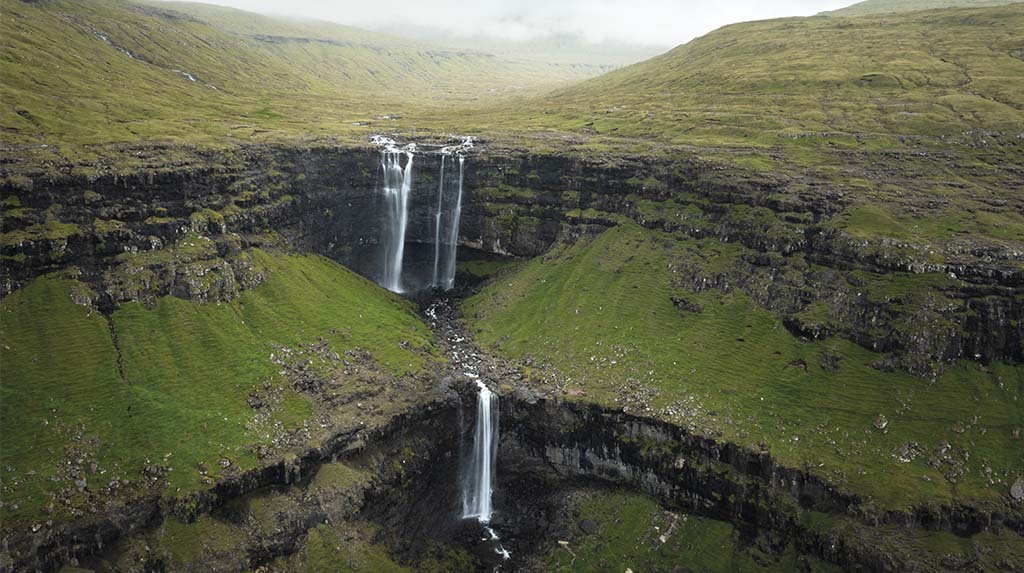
{"x": 397, "y": 189}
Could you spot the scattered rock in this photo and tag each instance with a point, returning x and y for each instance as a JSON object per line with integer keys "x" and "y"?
{"x": 687, "y": 305}
{"x": 881, "y": 422}
{"x": 830, "y": 361}
{"x": 589, "y": 526}
{"x": 798, "y": 363}
{"x": 1017, "y": 490}
{"x": 908, "y": 452}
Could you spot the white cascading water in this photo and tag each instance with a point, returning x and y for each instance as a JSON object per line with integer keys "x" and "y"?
{"x": 479, "y": 483}
{"x": 397, "y": 188}
{"x": 453, "y": 232}
{"x": 437, "y": 227}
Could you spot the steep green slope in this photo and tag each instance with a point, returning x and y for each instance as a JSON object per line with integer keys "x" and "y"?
{"x": 618, "y": 320}
{"x": 806, "y": 84}
{"x": 113, "y": 405}
{"x": 915, "y": 119}
{"x": 891, "y": 6}
{"x": 628, "y": 530}
{"x": 634, "y": 532}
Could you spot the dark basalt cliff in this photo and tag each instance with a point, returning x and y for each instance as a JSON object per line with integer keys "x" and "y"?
{"x": 116, "y": 229}
{"x": 547, "y": 448}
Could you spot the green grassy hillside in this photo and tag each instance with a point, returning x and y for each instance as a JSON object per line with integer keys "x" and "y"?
{"x": 87, "y": 397}
{"x": 806, "y": 84}
{"x": 892, "y": 6}
{"x": 634, "y": 532}
{"x": 597, "y": 321}
{"x": 915, "y": 118}
{"x": 113, "y": 70}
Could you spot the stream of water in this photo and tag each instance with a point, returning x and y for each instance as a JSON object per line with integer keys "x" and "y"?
{"x": 479, "y": 470}
{"x": 397, "y": 188}
{"x": 399, "y": 196}
{"x": 453, "y": 232}
{"x": 479, "y": 485}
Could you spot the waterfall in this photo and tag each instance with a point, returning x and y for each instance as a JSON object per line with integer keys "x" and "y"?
{"x": 437, "y": 227}
{"x": 397, "y": 187}
{"x": 479, "y": 483}
{"x": 453, "y": 232}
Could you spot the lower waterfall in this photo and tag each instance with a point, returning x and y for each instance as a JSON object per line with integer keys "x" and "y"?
{"x": 479, "y": 483}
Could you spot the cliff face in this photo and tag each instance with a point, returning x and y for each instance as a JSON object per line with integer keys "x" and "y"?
{"x": 270, "y": 510}
{"x": 184, "y": 230}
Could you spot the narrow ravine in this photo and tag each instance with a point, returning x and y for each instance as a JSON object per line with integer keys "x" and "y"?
{"x": 480, "y": 455}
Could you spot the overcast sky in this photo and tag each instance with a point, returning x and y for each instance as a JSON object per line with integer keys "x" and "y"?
{"x": 650, "y": 22}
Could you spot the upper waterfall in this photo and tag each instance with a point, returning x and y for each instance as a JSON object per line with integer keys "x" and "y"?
{"x": 435, "y": 281}
{"x": 397, "y": 188}
{"x": 453, "y": 232}
{"x": 454, "y": 211}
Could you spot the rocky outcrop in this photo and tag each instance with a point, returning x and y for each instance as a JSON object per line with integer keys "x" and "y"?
{"x": 375, "y": 448}
{"x": 184, "y": 229}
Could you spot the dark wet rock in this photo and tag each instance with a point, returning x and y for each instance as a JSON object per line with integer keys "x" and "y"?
{"x": 589, "y": 526}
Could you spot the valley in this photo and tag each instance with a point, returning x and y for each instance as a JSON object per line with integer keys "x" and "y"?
{"x": 283, "y": 295}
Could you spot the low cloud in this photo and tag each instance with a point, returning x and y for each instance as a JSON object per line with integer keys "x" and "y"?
{"x": 643, "y": 22}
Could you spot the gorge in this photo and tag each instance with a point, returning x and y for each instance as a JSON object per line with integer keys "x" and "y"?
{"x": 558, "y": 443}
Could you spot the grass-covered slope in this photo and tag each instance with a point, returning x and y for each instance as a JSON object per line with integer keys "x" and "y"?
{"x": 911, "y": 121}
{"x": 856, "y": 84}
{"x": 869, "y": 7}
{"x": 605, "y": 320}
{"x": 96, "y": 406}
{"x": 632, "y": 532}
{"x": 114, "y": 70}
